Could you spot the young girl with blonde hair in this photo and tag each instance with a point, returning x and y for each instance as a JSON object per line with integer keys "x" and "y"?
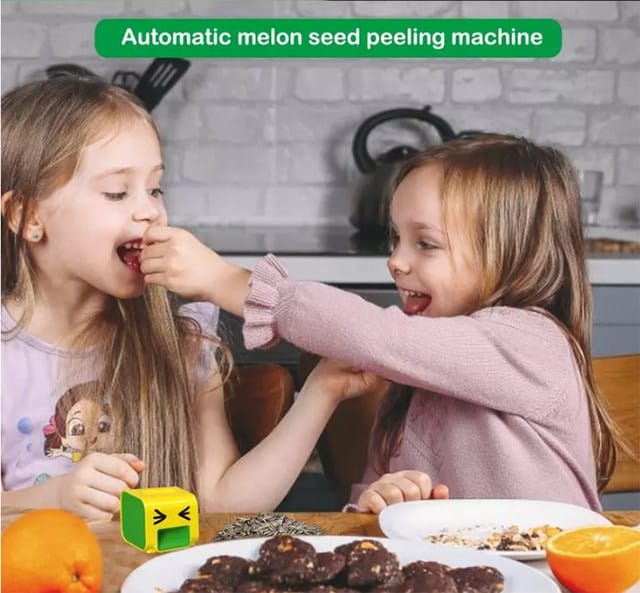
{"x": 490, "y": 353}
{"x": 106, "y": 383}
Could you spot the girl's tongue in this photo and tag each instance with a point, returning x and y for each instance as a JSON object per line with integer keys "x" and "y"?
{"x": 416, "y": 304}
{"x": 129, "y": 253}
{"x": 132, "y": 259}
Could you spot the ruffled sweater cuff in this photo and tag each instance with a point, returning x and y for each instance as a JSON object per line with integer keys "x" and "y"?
{"x": 259, "y": 329}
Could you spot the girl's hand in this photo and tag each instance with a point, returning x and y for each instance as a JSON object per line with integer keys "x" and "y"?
{"x": 399, "y": 487}
{"x": 342, "y": 381}
{"x": 175, "y": 259}
{"x": 93, "y": 488}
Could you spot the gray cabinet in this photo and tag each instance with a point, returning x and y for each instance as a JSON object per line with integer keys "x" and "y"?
{"x": 616, "y": 320}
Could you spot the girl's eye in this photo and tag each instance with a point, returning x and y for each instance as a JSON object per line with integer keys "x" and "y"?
{"x": 104, "y": 425}
{"x": 426, "y": 245}
{"x": 156, "y": 192}
{"x": 75, "y": 428}
{"x": 115, "y": 196}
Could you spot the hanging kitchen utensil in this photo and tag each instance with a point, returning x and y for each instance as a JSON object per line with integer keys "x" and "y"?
{"x": 158, "y": 79}
{"x": 370, "y": 205}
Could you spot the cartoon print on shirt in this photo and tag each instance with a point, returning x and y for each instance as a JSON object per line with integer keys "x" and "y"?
{"x": 79, "y": 425}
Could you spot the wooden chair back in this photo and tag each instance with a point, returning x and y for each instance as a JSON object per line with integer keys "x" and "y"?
{"x": 257, "y": 398}
{"x": 618, "y": 379}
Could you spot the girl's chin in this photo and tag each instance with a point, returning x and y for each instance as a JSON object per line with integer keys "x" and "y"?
{"x": 131, "y": 290}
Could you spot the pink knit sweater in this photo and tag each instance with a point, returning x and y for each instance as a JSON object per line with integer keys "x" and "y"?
{"x": 499, "y": 408}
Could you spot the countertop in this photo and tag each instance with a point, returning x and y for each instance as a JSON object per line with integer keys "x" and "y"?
{"x": 340, "y": 255}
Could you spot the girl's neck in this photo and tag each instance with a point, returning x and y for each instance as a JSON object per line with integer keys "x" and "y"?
{"x": 58, "y": 314}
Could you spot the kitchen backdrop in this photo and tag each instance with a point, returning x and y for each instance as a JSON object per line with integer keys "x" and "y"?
{"x": 261, "y": 156}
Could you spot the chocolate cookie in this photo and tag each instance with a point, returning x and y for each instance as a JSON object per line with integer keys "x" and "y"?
{"x": 287, "y": 560}
{"x": 345, "y": 549}
{"x": 434, "y": 582}
{"x": 328, "y": 566}
{"x": 478, "y": 579}
{"x": 229, "y": 571}
{"x": 421, "y": 582}
{"x": 203, "y": 584}
{"x": 402, "y": 587}
{"x": 369, "y": 564}
{"x": 420, "y": 566}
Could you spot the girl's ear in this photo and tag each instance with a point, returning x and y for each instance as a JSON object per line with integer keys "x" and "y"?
{"x": 12, "y": 211}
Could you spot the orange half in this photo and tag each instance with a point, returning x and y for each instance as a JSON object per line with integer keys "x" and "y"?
{"x": 603, "y": 559}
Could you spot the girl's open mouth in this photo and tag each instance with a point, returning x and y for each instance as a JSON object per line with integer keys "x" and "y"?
{"x": 129, "y": 254}
{"x": 415, "y": 302}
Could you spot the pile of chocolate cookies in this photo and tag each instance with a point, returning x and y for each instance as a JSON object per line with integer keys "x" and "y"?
{"x": 288, "y": 564}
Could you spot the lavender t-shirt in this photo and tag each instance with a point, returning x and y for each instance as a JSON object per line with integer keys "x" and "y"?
{"x": 45, "y": 427}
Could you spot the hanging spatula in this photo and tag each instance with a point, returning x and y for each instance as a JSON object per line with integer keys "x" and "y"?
{"x": 158, "y": 79}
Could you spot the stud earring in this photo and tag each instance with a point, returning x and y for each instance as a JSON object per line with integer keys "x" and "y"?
{"x": 35, "y": 236}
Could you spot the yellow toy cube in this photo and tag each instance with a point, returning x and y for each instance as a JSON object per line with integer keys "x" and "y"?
{"x": 159, "y": 519}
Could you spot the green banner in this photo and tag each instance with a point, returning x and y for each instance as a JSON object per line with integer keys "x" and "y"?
{"x": 328, "y": 38}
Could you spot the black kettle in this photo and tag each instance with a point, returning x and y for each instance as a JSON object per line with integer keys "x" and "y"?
{"x": 370, "y": 203}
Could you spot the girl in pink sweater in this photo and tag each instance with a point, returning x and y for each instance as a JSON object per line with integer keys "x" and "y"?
{"x": 490, "y": 355}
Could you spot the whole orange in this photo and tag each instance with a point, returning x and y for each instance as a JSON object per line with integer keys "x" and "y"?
{"x": 596, "y": 559}
{"x": 50, "y": 551}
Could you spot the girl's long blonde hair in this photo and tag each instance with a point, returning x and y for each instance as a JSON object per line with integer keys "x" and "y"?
{"x": 148, "y": 354}
{"x": 519, "y": 204}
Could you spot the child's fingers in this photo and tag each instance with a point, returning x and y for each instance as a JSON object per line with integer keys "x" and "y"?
{"x": 440, "y": 491}
{"x": 101, "y": 501}
{"x": 113, "y": 466}
{"x": 155, "y": 265}
{"x": 409, "y": 489}
{"x": 132, "y": 460}
{"x": 154, "y": 250}
{"x": 109, "y": 484}
{"x": 157, "y": 234}
{"x": 390, "y": 491}
{"x": 371, "y": 502}
{"x": 421, "y": 480}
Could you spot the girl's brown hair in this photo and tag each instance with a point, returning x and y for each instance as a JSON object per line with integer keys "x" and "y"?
{"x": 148, "y": 353}
{"x": 519, "y": 204}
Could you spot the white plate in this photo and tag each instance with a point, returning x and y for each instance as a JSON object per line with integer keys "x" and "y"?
{"x": 167, "y": 572}
{"x": 478, "y": 518}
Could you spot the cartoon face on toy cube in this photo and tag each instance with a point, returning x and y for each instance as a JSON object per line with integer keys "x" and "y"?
{"x": 159, "y": 519}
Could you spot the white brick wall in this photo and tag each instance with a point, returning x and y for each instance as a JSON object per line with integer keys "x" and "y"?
{"x": 476, "y": 85}
{"x": 269, "y": 142}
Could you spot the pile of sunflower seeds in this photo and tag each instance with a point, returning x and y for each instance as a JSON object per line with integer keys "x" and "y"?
{"x": 265, "y": 525}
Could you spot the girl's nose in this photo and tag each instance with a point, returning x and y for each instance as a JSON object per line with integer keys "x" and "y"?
{"x": 147, "y": 209}
{"x": 397, "y": 265}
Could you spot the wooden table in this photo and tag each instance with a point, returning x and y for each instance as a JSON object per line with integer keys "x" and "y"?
{"x": 121, "y": 558}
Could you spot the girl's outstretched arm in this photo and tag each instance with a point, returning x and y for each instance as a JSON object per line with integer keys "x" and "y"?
{"x": 175, "y": 259}
{"x": 260, "y": 479}
{"x": 510, "y": 360}
{"x": 507, "y": 359}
